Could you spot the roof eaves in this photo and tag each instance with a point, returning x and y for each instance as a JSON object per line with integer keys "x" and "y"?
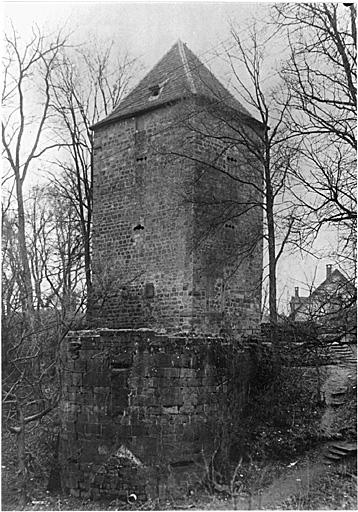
{"x": 134, "y": 113}
{"x": 247, "y": 117}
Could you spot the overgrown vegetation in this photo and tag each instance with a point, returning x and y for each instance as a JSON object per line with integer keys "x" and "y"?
{"x": 345, "y": 421}
{"x": 280, "y": 423}
{"x": 40, "y": 452}
{"x": 283, "y": 413}
{"x": 336, "y": 490}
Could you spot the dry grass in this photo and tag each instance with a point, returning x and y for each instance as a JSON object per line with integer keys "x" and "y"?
{"x": 335, "y": 490}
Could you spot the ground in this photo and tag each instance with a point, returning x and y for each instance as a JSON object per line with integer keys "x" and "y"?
{"x": 306, "y": 483}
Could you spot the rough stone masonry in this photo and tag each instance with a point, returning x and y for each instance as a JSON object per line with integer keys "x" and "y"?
{"x": 177, "y": 258}
{"x": 138, "y": 405}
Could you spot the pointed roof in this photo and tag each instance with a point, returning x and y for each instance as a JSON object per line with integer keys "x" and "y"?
{"x": 342, "y": 284}
{"x": 177, "y": 75}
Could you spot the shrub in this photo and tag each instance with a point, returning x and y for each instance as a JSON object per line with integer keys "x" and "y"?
{"x": 283, "y": 412}
{"x": 345, "y": 420}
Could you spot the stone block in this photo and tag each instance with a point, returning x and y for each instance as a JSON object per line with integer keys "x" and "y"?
{"x": 93, "y": 429}
{"x": 170, "y": 409}
{"x": 119, "y": 398}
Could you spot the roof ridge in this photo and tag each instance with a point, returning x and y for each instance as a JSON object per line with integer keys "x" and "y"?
{"x": 186, "y": 66}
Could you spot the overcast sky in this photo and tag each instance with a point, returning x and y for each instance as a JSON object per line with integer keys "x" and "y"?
{"x": 147, "y": 30}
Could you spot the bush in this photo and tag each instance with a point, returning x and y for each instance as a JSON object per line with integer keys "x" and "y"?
{"x": 283, "y": 412}
{"x": 281, "y": 417}
{"x": 345, "y": 421}
{"x": 41, "y": 445}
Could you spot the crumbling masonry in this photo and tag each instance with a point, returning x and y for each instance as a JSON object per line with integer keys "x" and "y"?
{"x": 177, "y": 257}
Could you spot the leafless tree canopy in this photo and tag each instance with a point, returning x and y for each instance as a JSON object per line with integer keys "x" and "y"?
{"x": 52, "y": 93}
{"x": 321, "y": 74}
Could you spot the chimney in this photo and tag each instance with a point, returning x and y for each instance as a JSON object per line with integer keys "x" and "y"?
{"x": 297, "y": 291}
{"x": 328, "y": 271}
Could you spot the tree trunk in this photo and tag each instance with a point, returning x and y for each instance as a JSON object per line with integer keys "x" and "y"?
{"x": 272, "y": 268}
{"x": 28, "y": 303}
{"x": 88, "y": 266}
{"x": 271, "y": 242}
{"x": 87, "y": 240}
{"x": 272, "y": 254}
{"x": 21, "y": 459}
{"x": 30, "y": 342}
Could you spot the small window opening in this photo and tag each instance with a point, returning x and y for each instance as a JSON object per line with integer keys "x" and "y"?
{"x": 155, "y": 90}
{"x": 138, "y": 227}
{"x": 149, "y": 290}
{"x": 141, "y": 159}
{"x": 117, "y": 366}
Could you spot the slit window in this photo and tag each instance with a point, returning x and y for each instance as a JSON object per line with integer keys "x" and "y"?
{"x": 149, "y": 291}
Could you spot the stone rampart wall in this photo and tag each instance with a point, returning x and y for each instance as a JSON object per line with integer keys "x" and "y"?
{"x": 137, "y": 404}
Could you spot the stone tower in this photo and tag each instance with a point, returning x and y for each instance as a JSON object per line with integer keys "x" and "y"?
{"x": 177, "y": 226}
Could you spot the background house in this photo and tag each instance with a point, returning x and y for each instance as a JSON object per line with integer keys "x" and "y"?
{"x": 332, "y": 303}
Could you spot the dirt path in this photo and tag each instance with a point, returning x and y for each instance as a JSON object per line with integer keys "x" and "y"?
{"x": 338, "y": 378}
{"x": 299, "y": 478}
{"x": 296, "y": 480}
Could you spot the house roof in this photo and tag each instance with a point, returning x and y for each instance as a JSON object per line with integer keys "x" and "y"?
{"x": 177, "y": 75}
{"x": 336, "y": 277}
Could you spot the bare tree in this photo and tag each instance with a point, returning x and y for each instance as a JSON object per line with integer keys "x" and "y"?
{"x": 10, "y": 280}
{"x": 254, "y": 152}
{"x": 321, "y": 74}
{"x": 27, "y": 73}
{"x": 45, "y": 233}
{"x": 31, "y": 379}
{"x": 55, "y": 249}
{"x": 275, "y": 152}
{"x": 88, "y": 84}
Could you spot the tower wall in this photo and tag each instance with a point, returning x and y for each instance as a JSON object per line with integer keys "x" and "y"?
{"x": 142, "y": 227}
{"x": 227, "y": 226}
{"x": 177, "y": 239}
